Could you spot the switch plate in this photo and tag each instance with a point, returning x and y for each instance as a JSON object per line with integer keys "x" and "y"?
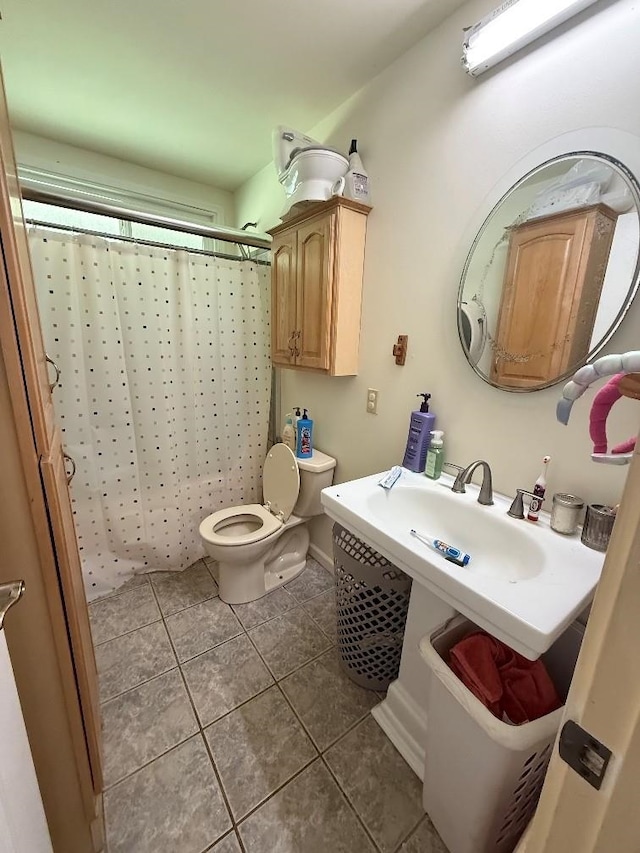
{"x": 372, "y": 401}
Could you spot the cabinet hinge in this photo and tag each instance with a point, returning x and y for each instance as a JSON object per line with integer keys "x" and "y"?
{"x": 583, "y": 753}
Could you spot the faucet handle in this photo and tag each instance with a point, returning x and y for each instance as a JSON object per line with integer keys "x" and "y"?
{"x": 458, "y": 485}
{"x": 452, "y": 465}
{"x": 516, "y": 510}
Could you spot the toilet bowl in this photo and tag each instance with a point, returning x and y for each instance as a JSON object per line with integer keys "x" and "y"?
{"x": 260, "y": 547}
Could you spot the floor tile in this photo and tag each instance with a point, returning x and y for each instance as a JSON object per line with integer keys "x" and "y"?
{"x": 325, "y": 698}
{"x": 229, "y": 844}
{"x": 133, "y": 583}
{"x": 177, "y": 590}
{"x": 424, "y": 840}
{"x": 309, "y": 815}
{"x": 111, "y": 617}
{"x": 173, "y": 805}
{"x": 289, "y": 641}
{"x": 202, "y": 627}
{"x": 225, "y": 677}
{"x": 322, "y": 610}
{"x": 145, "y": 722}
{"x": 257, "y": 748}
{"x": 265, "y": 608}
{"x": 313, "y": 580}
{"x": 383, "y": 789}
{"x": 129, "y": 660}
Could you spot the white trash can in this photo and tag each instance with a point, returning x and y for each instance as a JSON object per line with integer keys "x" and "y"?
{"x": 483, "y": 777}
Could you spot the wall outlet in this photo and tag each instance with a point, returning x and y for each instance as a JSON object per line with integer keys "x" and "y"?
{"x": 372, "y": 401}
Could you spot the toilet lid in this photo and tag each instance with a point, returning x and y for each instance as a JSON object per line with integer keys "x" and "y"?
{"x": 281, "y": 480}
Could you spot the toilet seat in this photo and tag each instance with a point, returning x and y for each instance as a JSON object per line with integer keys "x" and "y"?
{"x": 280, "y": 489}
{"x": 212, "y": 528}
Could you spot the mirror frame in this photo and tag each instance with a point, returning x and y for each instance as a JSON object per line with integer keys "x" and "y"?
{"x": 634, "y": 186}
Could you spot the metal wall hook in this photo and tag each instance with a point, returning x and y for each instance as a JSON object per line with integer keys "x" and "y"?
{"x": 56, "y": 381}
{"x": 73, "y": 467}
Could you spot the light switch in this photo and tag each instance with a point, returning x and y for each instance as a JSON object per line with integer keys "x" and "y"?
{"x": 372, "y": 401}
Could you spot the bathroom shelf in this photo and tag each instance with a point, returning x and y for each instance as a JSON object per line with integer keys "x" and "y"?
{"x": 316, "y": 287}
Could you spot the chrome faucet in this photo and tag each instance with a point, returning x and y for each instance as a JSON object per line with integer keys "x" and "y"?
{"x": 486, "y": 489}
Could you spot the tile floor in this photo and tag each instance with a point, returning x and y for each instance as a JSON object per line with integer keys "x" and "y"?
{"x": 231, "y": 729}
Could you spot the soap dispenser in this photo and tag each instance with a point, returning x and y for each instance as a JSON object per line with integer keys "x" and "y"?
{"x": 420, "y": 428}
{"x": 289, "y": 433}
{"x": 435, "y": 455}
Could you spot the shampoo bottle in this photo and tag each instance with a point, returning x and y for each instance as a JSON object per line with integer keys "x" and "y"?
{"x": 420, "y": 427}
{"x": 435, "y": 455}
{"x": 304, "y": 446}
{"x": 538, "y": 492}
{"x": 356, "y": 181}
{"x": 289, "y": 433}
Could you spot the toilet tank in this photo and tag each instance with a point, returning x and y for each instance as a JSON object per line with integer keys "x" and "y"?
{"x": 316, "y": 473}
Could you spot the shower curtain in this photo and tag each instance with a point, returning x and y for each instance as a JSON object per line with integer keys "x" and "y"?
{"x": 164, "y": 396}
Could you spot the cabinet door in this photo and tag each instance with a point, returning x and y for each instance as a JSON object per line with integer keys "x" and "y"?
{"x": 283, "y": 299}
{"x": 54, "y": 480}
{"x": 22, "y": 293}
{"x": 314, "y": 275}
{"x": 539, "y": 302}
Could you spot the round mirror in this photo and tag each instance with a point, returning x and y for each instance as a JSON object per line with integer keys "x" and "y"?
{"x": 551, "y": 272}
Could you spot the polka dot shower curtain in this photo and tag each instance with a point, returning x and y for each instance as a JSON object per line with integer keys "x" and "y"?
{"x": 164, "y": 395}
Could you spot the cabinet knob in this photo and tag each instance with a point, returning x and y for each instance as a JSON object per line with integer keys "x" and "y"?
{"x": 56, "y": 381}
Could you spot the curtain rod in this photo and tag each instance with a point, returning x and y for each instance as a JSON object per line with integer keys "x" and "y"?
{"x": 73, "y": 229}
{"x": 36, "y": 192}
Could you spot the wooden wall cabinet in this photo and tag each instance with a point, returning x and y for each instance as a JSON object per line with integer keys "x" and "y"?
{"x": 554, "y": 275}
{"x": 316, "y": 281}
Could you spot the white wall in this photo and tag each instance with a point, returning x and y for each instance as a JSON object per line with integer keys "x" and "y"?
{"x": 48, "y": 155}
{"x": 435, "y": 142}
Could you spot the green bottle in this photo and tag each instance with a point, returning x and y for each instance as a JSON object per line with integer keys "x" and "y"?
{"x": 435, "y": 455}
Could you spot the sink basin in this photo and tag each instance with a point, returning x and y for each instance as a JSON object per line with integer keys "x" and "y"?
{"x": 462, "y": 524}
{"x": 524, "y": 583}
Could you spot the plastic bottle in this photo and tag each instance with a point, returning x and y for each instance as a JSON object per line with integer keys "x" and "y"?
{"x": 538, "y": 491}
{"x": 420, "y": 426}
{"x": 356, "y": 181}
{"x": 296, "y": 418}
{"x": 289, "y": 433}
{"x": 304, "y": 443}
{"x": 435, "y": 455}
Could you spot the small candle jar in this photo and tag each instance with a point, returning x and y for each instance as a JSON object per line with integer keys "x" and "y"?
{"x": 565, "y": 513}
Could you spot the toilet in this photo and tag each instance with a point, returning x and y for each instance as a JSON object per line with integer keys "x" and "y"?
{"x": 306, "y": 169}
{"x": 260, "y": 547}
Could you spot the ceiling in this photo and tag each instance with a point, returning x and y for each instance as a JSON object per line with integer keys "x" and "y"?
{"x": 194, "y": 87}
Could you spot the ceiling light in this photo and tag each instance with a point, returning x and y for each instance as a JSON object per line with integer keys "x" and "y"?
{"x": 511, "y": 26}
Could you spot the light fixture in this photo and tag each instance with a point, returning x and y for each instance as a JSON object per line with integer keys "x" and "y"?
{"x": 511, "y": 26}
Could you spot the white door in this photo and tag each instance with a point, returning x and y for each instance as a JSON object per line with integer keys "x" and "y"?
{"x": 23, "y": 827}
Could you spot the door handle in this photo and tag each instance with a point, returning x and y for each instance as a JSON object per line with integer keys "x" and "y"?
{"x": 73, "y": 467}
{"x": 56, "y": 381}
{"x": 9, "y": 593}
{"x": 296, "y": 337}
{"x": 292, "y": 344}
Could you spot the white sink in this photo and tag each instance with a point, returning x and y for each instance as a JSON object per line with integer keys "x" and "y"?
{"x": 524, "y": 583}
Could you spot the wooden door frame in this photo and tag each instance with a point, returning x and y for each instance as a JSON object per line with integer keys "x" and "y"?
{"x": 605, "y": 700}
